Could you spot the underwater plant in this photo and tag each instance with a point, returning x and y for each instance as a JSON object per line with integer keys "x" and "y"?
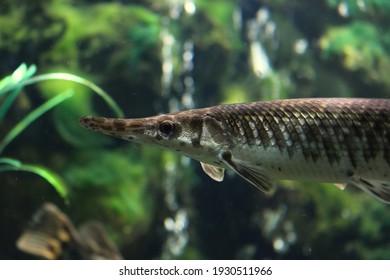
{"x": 10, "y": 87}
{"x": 362, "y": 47}
{"x": 51, "y": 235}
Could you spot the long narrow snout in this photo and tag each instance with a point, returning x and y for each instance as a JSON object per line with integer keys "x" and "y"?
{"x": 127, "y": 129}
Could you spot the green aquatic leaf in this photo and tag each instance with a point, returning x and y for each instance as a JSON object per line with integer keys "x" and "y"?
{"x": 25, "y": 122}
{"x": 22, "y": 77}
{"x": 70, "y": 77}
{"x": 13, "y": 83}
{"x": 9, "y": 164}
{"x": 9, "y": 100}
{"x": 21, "y": 73}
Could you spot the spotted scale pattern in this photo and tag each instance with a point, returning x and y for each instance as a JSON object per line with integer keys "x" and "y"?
{"x": 335, "y": 129}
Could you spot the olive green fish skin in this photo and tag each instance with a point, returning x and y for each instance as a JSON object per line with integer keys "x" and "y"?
{"x": 339, "y": 140}
{"x": 330, "y": 128}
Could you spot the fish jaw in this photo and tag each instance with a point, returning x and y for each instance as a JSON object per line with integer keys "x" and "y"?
{"x": 170, "y": 131}
{"x": 134, "y": 130}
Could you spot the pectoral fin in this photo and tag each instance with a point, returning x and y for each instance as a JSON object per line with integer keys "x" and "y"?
{"x": 340, "y": 186}
{"x": 378, "y": 189}
{"x": 252, "y": 174}
{"x": 215, "y": 172}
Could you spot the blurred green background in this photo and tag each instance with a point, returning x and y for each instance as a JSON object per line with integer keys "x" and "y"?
{"x": 159, "y": 56}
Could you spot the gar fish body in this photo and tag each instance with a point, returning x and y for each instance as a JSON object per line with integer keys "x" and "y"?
{"x": 339, "y": 140}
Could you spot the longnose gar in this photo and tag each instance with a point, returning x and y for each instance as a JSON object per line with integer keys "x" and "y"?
{"x": 339, "y": 140}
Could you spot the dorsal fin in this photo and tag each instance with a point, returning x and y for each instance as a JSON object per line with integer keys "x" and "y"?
{"x": 215, "y": 172}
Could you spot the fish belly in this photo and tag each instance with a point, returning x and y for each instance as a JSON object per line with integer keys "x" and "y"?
{"x": 279, "y": 166}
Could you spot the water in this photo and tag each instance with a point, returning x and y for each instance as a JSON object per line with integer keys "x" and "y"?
{"x": 166, "y": 56}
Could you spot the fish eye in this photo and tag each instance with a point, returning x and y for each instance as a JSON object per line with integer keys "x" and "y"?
{"x": 166, "y": 128}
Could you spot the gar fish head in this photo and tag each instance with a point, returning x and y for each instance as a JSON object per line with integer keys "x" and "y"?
{"x": 189, "y": 133}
